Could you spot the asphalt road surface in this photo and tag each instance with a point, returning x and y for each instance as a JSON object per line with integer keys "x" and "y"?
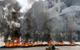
{"x": 40, "y": 47}
{"x": 68, "y": 47}
{"x": 43, "y": 48}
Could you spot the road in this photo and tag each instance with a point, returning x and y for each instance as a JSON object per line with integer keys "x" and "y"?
{"x": 68, "y": 47}
{"x": 30, "y": 48}
{"x": 43, "y": 48}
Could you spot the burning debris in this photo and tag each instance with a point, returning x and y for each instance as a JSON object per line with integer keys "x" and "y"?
{"x": 34, "y": 19}
{"x": 34, "y": 22}
{"x": 39, "y": 22}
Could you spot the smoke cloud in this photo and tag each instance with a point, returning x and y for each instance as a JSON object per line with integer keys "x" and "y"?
{"x": 38, "y": 17}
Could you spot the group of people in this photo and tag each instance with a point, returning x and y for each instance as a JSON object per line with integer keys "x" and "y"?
{"x": 67, "y": 36}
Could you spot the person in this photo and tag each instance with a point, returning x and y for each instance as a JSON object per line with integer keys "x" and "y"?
{"x": 61, "y": 37}
{"x": 76, "y": 38}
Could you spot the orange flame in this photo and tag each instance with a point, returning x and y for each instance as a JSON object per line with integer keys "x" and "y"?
{"x": 26, "y": 44}
{"x": 39, "y": 43}
{"x": 13, "y": 42}
{"x": 29, "y": 44}
{"x": 72, "y": 43}
{"x": 17, "y": 42}
{"x": 42, "y": 43}
{"x": 23, "y": 45}
{"x": 36, "y": 44}
{"x": 7, "y": 44}
{"x": 61, "y": 43}
{"x": 49, "y": 44}
{"x": 52, "y": 42}
{"x": 11, "y": 45}
{"x": 33, "y": 44}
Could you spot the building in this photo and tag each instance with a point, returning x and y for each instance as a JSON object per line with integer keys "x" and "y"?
{"x": 1, "y": 9}
{"x": 1, "y": 16}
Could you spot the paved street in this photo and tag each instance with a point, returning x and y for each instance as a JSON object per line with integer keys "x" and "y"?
{"x": 31, "y": 48}
{"x": 68, "y": 47}
{"x": 43, "y": 48}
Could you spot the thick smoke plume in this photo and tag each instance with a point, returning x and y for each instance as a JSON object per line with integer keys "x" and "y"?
{"x": 11, "y": 15}
{"x": 41, "y": 16}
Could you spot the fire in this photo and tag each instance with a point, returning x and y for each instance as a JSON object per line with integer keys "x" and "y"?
{"x": 51, "y": 43}
{"x": 33, "y": 44}
{"x": 7, "y": 44}
{"x": 36, "y": 44}
{"x": 22, "y": 45}
{"x": 26, "y": 44}
{"x": 17, "y": 42}
{"x": 29, "y": 44}
{"x": 72, "y": 43}
{"x": 42, "y": 43}
{"x": 13, "y": 40}
{"x": 61, "y": 43}
{"x": 13, "y": 44}
{"x": 39, "y": 43}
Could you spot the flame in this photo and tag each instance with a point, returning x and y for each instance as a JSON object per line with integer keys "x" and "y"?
{"x": 42, "y": 43}
{"x": 39, "y": 43}
{"x": 10, "y": 45}
{"x": 29, "y": 44}
{"x": 36, "y": 44}
{"x": 26, "y": 44}
{"x": 23, "y": 45}
{"x": 72, "y": 43}
{"x": 33, "y": 44}
{"x": 7, "y": 44}
{"x": 17, "y": 42}
{"x": 61, "y": 43}
{"x": 13, "y": 42}
{"x": 51, "y": 43}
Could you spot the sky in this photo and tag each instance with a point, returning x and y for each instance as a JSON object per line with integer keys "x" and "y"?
{"x": 26, "y": 5}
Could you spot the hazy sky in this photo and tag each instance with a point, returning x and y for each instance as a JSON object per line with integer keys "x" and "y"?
{"x": 26, "y": 4}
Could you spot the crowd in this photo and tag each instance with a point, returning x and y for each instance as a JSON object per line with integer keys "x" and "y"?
{"x": 66, "y": 36}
